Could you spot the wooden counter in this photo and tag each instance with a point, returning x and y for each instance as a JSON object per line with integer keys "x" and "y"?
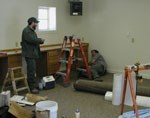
{"x": 46, "y": 65}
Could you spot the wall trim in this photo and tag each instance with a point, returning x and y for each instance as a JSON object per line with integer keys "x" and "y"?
{"x": 145, "y": 76}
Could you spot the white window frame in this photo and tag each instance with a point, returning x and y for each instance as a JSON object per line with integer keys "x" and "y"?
{"x": 49, "y": 17}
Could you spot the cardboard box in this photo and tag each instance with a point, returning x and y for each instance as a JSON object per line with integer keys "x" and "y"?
{"x": 42, "y": 114}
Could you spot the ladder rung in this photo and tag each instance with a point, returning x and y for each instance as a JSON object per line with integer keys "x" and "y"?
{"x": 19, "y": 78}
{"x": 8, "y": 87}
{"x": 81, "y": 69}
{"x": 15, "y": 68}
{"x": 74, "y": 59}
{"x": 23, "y": 88}
{"x": 61, "y": 73}
{"x": 66, "y": 61}
{"x": 76, "y": 48}
{"x": 63, "y": 61}
{"x": 66, "y": 49}
{"x": 79, "y": 59}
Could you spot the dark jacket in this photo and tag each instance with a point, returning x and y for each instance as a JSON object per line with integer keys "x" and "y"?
{"x": 30, "y": 43}
{"x": 98, "y": 59}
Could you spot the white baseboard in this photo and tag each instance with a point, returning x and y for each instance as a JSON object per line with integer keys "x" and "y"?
{"x": 144, "y": 75}
{"x": 115, "y": 71}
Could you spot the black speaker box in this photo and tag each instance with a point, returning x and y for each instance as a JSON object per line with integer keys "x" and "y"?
{"x": 76, "y": 8}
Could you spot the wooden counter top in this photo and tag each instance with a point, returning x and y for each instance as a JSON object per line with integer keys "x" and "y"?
{"x": 7, "y": 52}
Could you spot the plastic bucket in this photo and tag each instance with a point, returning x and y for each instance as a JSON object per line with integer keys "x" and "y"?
{"x": 48, "y": 105}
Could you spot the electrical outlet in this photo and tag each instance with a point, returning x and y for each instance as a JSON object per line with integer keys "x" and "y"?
{"x": 132, "y": 40}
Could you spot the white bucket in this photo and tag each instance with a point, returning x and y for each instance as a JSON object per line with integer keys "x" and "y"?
{"x": 48, "y": 105}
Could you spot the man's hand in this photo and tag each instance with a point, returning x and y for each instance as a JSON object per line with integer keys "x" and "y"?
{"x": 91, "y": 62}
{"x": 42, "y": 41}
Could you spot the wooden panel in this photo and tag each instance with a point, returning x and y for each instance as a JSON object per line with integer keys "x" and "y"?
{"x": 52, "y": 60}
{"x": 14, "y": 60}
{"x": 41, "y": 66}
{"x": 52, "y": 68}
{"x": 45, "y": 66}
{"x": 3, "y": 68}
{"x": 85, "y": 48}
{"x": 52, "y": 53}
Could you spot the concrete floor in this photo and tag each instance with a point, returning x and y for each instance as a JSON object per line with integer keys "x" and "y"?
{"x": 90, "y": 105}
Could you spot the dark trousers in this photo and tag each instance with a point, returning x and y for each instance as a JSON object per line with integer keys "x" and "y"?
{"x": 31, "y": 71}
{"x": 97, "y": 70}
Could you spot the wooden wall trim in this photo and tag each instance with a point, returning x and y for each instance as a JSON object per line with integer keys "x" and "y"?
{"x": 42, "y": 46}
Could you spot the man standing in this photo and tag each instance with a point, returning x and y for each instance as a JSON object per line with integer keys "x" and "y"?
{"x": 98, "y": 64}
{"x": 31, "y": 51}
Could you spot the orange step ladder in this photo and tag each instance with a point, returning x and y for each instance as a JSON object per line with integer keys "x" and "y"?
{"x": 74, "y": 44}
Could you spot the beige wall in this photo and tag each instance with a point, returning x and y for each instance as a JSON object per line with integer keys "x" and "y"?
{"x": 113, "y": 24}
{"x": 108, "y": 25}
{"x": 14, "y": 15}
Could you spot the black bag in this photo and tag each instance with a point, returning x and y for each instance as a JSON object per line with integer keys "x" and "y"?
{"x": 4, "y": 113}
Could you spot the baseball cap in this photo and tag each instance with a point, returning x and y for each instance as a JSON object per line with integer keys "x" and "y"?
{"x": 32, "y": 19}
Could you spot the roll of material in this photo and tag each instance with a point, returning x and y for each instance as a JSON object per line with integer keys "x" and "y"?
{"x": 143, "y": 90}
{"x": 117, "y": 89}
{"x": 143, "y": 101}
{"x": 92, "y": 86}
{"x": 140, "y": 100}
{"x": 108, "y": 96}
{"x": 128, "y": 97}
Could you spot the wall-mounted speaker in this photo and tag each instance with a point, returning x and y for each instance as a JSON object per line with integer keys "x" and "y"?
{"x": 75, "y": 8}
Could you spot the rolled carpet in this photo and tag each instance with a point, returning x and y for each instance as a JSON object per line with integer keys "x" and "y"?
{"x": 92, "y": 86}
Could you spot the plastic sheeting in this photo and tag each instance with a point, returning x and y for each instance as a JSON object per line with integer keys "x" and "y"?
{"x": 108, "y": 96}
{"x": 140, "y": 100}
{"x": 117, "y": 89}
{"x": 143, "y": 101}
{"x": 144, "y": 113}
{"x": 128, "y": 97}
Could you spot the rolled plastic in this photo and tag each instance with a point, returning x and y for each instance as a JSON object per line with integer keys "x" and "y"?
{"x": 128, "y": 97}
{"x": 108, "y": 96}
{"x": 143, "y": 101}
{"x": 117, "y": 89}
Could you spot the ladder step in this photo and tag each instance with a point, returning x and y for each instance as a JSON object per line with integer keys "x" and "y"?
{"x": 16, "y": 68}
{"x": 23, "y": 88}
{"x": 66, "y": 49}
{"x": 61, "y": 73}
{"x": 79, "y": 59}
{"x": 81, "y": 69}
{"x": 19, "y": 78}
{"x": 8, "y": 87}
{"x": 76, "y": 48}
{"x": 74, "y": 59}
{"x": 66, "y": 61}
{"x": 63, "y": 61}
